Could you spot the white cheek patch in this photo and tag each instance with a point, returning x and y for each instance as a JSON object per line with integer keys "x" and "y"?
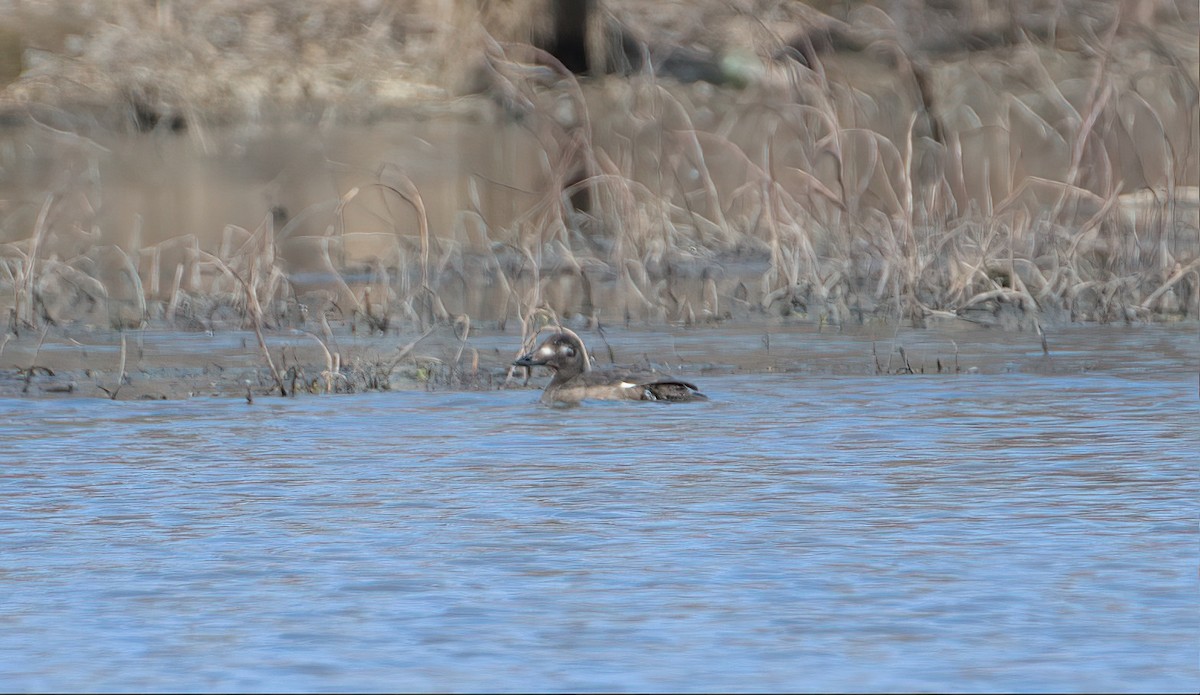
{"x": 546, "y": 352}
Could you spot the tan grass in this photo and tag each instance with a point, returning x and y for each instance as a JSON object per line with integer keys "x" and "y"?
{"x": 1059, "y": 186}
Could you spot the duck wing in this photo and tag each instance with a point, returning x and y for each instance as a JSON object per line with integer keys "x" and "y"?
{"x": 626, "y": 384}
{"x": 657, "y": 387}
{"x": 673, "y": 390}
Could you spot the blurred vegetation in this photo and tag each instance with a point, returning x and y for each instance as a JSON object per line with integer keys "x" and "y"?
{"x": 1009, "y": 162}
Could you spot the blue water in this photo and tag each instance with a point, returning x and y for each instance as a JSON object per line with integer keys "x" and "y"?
{"x": 999, "y": 532}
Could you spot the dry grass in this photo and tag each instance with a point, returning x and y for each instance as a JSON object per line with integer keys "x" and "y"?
{"x": 1039, "y": 184}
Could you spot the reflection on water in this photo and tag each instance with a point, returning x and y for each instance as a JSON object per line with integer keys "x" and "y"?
{"x": 798, "y": 532}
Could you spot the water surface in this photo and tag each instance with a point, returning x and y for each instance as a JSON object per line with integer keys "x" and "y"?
{"x": 802, "y": 532}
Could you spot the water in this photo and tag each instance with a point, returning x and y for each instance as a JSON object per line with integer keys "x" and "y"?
{"x": 802, "y": 532}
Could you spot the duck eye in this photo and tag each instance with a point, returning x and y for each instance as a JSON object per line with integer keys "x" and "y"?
{"x": 567, "y": 351}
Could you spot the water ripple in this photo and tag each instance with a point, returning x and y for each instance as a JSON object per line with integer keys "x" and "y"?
{"x": 1004, "y": 532}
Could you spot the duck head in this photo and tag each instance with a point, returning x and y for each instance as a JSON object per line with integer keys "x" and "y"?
{"x": 563, "y": 352}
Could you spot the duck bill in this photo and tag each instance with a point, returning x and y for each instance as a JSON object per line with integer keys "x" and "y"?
{"x": 531, "y": 360}
{"x": 537, "y": 357}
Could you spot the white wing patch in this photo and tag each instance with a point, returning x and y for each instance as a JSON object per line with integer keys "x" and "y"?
{"x": 627, "y": 385}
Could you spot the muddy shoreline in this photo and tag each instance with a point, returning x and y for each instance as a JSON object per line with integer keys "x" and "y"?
{"x": 169, "y": 364}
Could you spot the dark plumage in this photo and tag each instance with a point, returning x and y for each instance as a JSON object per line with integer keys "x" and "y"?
{"x": 575, "y": 380}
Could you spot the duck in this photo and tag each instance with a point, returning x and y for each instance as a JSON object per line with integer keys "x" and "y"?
{"x": 575, "y": 380}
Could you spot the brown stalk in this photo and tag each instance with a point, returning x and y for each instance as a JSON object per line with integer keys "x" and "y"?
{"x": 255, "y": 310}
{"x": 120, "y": 371}
{"x": 173, "y": 302}
{"x": 25, "y": 294}
{"x": 1181, "y": 271}
{"x": 331, "y": 369}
